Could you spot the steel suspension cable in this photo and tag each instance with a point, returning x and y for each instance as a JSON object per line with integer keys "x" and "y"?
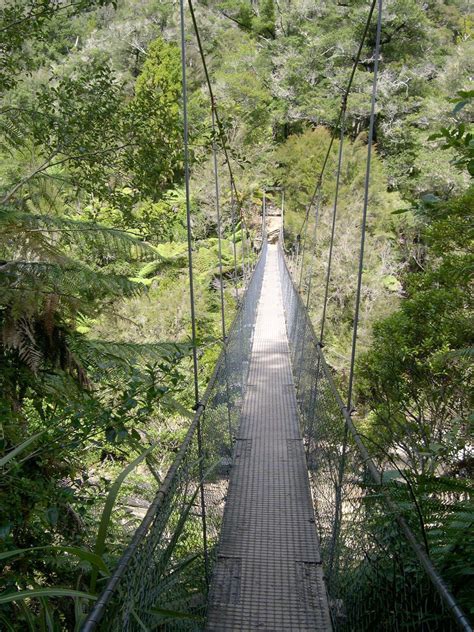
{"x": 300, "y": 245}
{"x": 308, "y": 294}
{"x": 243, "y": 235}
{"x": 365, "y": 205}
{"x": 317, "y": 216}
{"x": 198, "y": 404}
{"x": 343, "y": 106}
{"x": 218, "y": 123}
{"x": 220, "y": 128}
{"x": 234, "y": 244}
{"x": 339, "y": 120}
{"x": 221, "y": 276}
{"x": 317, "y": 196}
{"x": 282, "y": 229}
{"x": 315, "y": 386}
{"x": 219, "y": 236}
{"x": 342, "y": 464}
{"x": 333, "y": 223}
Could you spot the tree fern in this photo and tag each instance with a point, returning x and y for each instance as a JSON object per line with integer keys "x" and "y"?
{"x": 71, "y": 280}
{"x": 71, "y": 233}
{"x": 100, "y": 355}
{"x": 45, "y": 285}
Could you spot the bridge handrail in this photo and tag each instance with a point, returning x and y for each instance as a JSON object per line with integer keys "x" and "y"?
{"x": 101, "y": 604}
{"x": 377, "y": 476}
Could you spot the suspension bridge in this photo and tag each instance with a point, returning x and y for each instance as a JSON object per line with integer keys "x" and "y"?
{"x": 275, "y": 516}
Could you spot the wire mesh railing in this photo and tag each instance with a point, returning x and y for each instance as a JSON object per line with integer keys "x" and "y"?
{"x": 161, "y": 581}
{"x": 378, "y": 575}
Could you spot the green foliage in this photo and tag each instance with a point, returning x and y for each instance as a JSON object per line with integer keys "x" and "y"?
{"x": 99, "y": 547}
{"x": 26, "y": 22}
{"x": 259, "y": 20}
{"x": 264, "y": 24}
{"x": 298, "y": 160}
{"x": 416, "y": 382}
{"x": 244, "y": 98}
{"x": 460, "y": 138}
{"x": 62, "y": 392}
{"x": 71, "y": 120}
{"x": 154, "y": 115}
{"x": 418, "y": 391}
{"x": 46, "y": 286}
{"x": 155, "y": 221}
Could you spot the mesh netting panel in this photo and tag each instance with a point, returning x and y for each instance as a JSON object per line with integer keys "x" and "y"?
{"x": 374, "y": 577}
{"x": 160, "y": 582}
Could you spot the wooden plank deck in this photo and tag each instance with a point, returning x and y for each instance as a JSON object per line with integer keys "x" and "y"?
{"x": 268, "y": 576}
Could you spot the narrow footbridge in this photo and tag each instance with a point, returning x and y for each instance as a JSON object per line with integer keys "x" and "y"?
{"x": 273, "y": 516}
{"x": 268, "y": 574}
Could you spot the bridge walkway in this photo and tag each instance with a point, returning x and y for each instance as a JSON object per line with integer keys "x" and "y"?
{"x": 268, "y": 576}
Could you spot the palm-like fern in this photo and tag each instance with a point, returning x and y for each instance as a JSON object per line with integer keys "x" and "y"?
{"x": 48, "y": 234}
{"x": 45, "y": 285}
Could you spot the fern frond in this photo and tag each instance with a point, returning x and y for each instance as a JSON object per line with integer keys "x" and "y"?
{"x": 46, "y": 198}
{"x": 150, "y": 269}
{"x": 15, "y": 241}
{"x": 94, "y": 352}
{"x": 12, "y": 134}
{"x": 109, "y": 359}
{"x": 40, "y": 344}
{"x": 68, "y": 279}
{"x": 75, "y": 233}
{"x": 19, "y": 335}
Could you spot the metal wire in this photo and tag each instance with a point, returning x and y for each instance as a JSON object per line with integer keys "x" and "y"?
{"x": 219, "y": 228}
{"x": 191, "y": 282}
{"x": 333, "y": 224}
{"x": 217, "y": 126}
{"x": 342, "y": 110}
{"x": 214, "y": 108}
{"x": 317, "y": 215}
{"x": 221, "y": 275}
{"x": 338, "y": 509}
{"x": 234, "y": 243}
{"x": 365, "y": 205}
{"x": 381, "y": 577}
